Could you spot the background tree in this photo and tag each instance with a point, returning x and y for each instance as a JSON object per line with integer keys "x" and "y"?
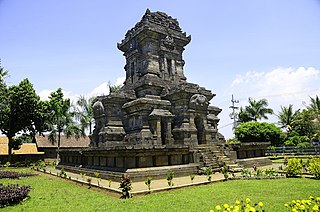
{"x": 19, "y": 110}
{"x": 84, "y": 113}
{"x": 314, "y": 105}
{"x": 287, "y": 117}
{"x": 243, "y": 116}
{"x": 258, "y": 132}
{"x": 314, "y": 109}
{"x": 258, "y": 110}
{"x": 60, "y": 120}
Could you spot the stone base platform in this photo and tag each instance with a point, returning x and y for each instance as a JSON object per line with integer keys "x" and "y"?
{"x": 136, "y": 174}
{"x": 248, "y": 162}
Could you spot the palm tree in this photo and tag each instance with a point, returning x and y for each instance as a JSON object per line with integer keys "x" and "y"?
{"x": 314, "y": 105}
{"x": 243, "y": 116}
{"x": 84, "y": 112}
{"x": 258, "y": 109}
{"x": 287, "y": 117}
{"x": 61, "y": 119}
{"x": 314, "y": 108}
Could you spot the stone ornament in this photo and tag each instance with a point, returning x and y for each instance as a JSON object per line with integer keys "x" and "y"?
{"x": 198, "y": 100}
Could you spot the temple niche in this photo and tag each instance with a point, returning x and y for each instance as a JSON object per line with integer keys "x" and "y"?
{"x": 157, "y": 119}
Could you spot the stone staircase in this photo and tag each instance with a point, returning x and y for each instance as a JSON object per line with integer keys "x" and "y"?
{"x": 211, "y": 155}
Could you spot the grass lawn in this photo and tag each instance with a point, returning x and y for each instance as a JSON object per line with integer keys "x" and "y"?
{"x": 54, "y": 194}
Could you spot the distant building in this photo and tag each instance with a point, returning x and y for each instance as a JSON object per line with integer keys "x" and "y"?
{"x": 27, "y": 151}
{"x": 50, "y": 149}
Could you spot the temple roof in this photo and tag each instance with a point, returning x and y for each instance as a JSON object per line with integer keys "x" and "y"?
{"x": 153, "y": 20}
{"x": 159, "y": 18}
{"x": 43, "y": 142}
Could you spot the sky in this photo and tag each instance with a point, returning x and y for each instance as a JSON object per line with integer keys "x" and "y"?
{"x": 258, "y": 49}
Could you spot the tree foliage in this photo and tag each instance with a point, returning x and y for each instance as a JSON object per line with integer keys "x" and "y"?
{"x": 287, "y": 117}
{"x": 258, "y": 132}
{"x": 20, "y": 112}
{"x": 302, "y": 126}
{"x": 256, "y": 110}
{"x": 60, "y": 119}
{"x": 84, "y": 112}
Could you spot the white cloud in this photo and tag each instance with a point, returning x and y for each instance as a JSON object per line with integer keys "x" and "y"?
{"x": 102, "y": 89}
{"x": 44, "y": 95}
{"x": 281, "y": 86}
{"x": 120, "y": 80}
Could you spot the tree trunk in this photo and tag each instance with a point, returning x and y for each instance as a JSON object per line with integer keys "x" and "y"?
{"x": 10, "y": 140}
{"x": 58, "y": 149}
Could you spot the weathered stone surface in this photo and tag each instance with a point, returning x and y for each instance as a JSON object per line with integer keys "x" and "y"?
{"x": 157, "y": 118}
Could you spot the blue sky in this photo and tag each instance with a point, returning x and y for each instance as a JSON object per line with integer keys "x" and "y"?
{"x": 260, "y": 49}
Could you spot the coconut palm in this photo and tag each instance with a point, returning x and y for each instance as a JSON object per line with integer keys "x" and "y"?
{"x": 258, "y": 109}
{"x": 314, "y": 105}
{"x": 243, "y": 116}
{"x": 84, "y": 112}
{"x": 287, "y": 117}
{"x": 314, "y": 108}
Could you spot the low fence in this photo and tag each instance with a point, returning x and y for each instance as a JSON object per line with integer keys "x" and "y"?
{"x": 315, "y": 150}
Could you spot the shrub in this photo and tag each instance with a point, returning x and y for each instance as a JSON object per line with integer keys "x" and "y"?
{"x": 12, "y": 194}
{"x": 293, "y": 168}
{"x": 258, "y": 132}
{"x": 246, "y": 173}
{"x": 192, "y": 177}
{"x": 14, "y": 175}
{"x": 311, "y": 204}
{"x": 97, "y": 175}
{"x": 148, "y": 183}
{"x": 297, "y": 141}
{"x": 259, "y": 173}
{"x": 232, "y": 141}
{"x": 314, "y": 167}
{"x": 170, "y": 176}
{"x": 63, "y": 173}
{"x": 83, "y": 175}
{"x": 208, "y": 171}
{"x": 241, "y": 206}
{"x": 225, "y": 172}
{"x": 271, "y": 172}
{"x": 40, "y": 164}
{"x": 7, "y": 164}
{"x": 126, "y": 186}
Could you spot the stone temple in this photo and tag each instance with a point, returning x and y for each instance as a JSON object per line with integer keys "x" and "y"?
{"x": 157, "y": 121}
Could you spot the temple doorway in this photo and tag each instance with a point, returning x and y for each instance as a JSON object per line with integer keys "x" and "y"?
{"x": 200, "y": 130}
{"x": 164, "y": 132}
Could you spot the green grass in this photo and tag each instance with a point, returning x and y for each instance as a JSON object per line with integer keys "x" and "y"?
{"x": 55, "y": 194}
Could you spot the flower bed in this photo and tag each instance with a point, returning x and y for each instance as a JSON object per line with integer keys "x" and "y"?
{"x": 12, "y": 194}
{"x": 14, "y": 175}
